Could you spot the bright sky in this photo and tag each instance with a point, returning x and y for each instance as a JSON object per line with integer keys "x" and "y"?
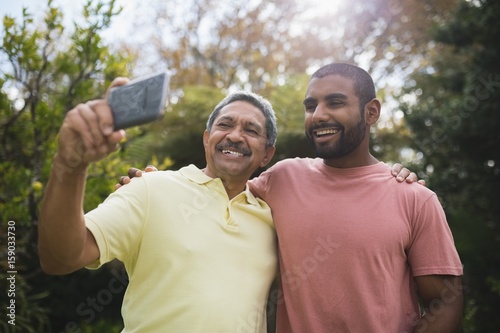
{"x": 134, "y": 11}
{"x": 15, "y": 8}
{"x": 322, "y": 6}
{"x": 71, "y": 9}
{"x": 122, "y": 24}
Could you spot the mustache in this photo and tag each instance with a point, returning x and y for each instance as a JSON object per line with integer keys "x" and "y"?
{"x": 234, "y": 146}
{"x": 317, "y": 126}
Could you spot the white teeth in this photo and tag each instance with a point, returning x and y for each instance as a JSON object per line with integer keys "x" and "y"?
{"x": 326, "y": 131}
{"x": 230, "y": 152}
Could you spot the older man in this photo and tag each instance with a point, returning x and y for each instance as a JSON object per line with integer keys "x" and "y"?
{"x": 199, "y": 248}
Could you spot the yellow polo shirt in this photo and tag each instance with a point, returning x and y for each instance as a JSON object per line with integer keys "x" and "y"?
{"x": 197, "y": 261}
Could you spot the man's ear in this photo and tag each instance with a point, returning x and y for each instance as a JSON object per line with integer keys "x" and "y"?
{"x": 372, "y": 111}
{"x": 205, "y": 138}
{"x": 269, "y": 155}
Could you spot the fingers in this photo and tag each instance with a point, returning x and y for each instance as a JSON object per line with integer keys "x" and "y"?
{"x": 102, "y": 116}
{"x": 88, "y": 130}
{"x": 119, "y": 81}
{"x": 403, "y": 174}
{"x": 124, "y": 180}
{"x": 87, "y": 134}
{"x": 81, "y": 121}
{"x": 412, "y": 177}
{"x": 99, "y": 119}
{"x": 134, "y": 172}
{"x": 396, "y": 168}
{"x": 150, "y": 168}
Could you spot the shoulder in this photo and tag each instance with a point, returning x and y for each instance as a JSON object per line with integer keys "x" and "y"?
{"x": 159, "y": 175}
{"x": 414, "y": 194}
{"x": 147, "y": 182}
{"x": 152, "y": 177}
{"x": 286, "y": 169}
{"x": 282, "y": 173}
{"x": 293, "y": 164}
{"x": 381, "y": 178}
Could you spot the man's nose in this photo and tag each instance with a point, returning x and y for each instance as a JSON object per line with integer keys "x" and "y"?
{"x": 236, "y": 134}
{"x": 320, "y": 114}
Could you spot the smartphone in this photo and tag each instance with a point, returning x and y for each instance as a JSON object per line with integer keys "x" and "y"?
{"x": 140, "y": 101}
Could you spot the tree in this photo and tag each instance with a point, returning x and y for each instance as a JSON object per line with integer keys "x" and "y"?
{"x": 224, "y": 44}
{"x": 214, "y": 47}
{"x": 264, "y": 45}
{"x": 45, "y": 72}
{"x": 452, "y": 109}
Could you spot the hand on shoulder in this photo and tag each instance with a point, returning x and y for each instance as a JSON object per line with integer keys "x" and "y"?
{"x": 132, "y": 173}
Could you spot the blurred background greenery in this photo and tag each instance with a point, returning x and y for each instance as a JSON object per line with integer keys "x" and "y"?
{"x": 436, "y": 66}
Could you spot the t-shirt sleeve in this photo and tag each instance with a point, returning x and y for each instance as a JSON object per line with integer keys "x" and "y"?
{"x": 259, "y": 186}
{"x": 118, "y": 222}
{"x": 433, "y": 250}
{"x": 273, "y": 181}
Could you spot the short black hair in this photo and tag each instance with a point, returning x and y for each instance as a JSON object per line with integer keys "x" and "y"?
{"x": 364, "y": 87}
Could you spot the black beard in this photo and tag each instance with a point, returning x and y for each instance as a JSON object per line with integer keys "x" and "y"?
{"x": 346, "y": 144}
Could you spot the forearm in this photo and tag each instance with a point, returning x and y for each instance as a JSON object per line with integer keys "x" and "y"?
{"x": 442, "y": 320}
{"x": 442, "y": 297}
{"x": 61, "y": 228}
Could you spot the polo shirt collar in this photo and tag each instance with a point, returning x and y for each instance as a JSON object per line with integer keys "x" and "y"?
{"x": 194, "y": 174}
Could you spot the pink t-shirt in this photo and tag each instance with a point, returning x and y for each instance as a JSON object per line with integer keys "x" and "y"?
{"x": 350, "y": 242}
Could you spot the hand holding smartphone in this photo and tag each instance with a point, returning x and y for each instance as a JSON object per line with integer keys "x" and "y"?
{"x": 140, "y": 101}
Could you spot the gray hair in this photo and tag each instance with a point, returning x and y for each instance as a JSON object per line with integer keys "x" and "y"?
{"x": 256, "y": 100}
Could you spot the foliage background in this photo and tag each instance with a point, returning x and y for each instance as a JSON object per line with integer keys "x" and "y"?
{"x": 435, "y": 64}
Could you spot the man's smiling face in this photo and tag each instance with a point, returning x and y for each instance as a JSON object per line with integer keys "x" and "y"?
{"x": 236, "y": 143}
{"x": 334, "y": 123}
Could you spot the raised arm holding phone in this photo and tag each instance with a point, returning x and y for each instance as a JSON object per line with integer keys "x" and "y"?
{"x": 86, "y": 136}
